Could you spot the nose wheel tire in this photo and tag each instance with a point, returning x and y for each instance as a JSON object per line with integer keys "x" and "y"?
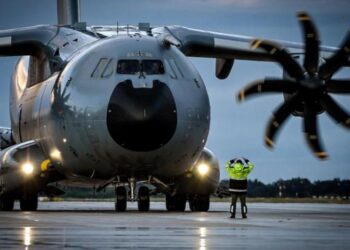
{"x": 29, "y": 202}
{"x": 121, "y": 199}
{"x": 6, "y": 204}
{"x": 143, "y": 201}
{"x": 176, "y": 202}
{"x": 199, "y": 203}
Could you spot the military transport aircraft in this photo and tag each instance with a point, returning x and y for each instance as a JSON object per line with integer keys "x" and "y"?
{"x": 123, "y": 106}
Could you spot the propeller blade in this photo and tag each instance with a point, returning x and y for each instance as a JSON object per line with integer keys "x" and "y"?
{"x": 278, "y": 118}
{"x": 282, "y": 56}
{"x": 311, "y": 131}
{"x": 335, "y": 111}
{"x": 338, "y": 86}
{"x": 311, "y": 41}
{"x": 267, "y": 86}
{"x": 339, "y": 59}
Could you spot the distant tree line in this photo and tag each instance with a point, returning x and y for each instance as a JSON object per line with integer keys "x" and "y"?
{"x": 86, "y": 192}
{"x": 298, "y": 187}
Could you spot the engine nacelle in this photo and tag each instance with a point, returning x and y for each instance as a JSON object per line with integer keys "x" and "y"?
{"x": 223, "y": 67}
{"x": 299, "y": 110}
{"x": 6, "y": 139}
{"x": 203, "y": 178}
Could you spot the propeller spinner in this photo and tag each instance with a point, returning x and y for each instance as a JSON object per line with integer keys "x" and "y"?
{"x": 307, "y": 86}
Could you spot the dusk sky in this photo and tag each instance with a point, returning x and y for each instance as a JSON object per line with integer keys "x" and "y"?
{"x": 236, "y": 129}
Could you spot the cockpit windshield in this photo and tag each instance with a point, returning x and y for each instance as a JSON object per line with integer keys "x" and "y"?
{"x": 148, "y": 67}
{"x": 128, "y": 67}
{"x": 152, "y": 67}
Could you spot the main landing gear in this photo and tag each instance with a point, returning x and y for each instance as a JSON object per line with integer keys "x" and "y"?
{"x": 199, "y": 202}
{"x": 176, "y": 202}
{"x": 27, "y": 202}
{"x": 6, "y": 203}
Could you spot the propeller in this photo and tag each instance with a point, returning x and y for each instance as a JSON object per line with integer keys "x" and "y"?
{"x": 307, "y": 86}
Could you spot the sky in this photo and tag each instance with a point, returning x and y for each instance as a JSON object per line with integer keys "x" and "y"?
{"x": 236, "y": 129}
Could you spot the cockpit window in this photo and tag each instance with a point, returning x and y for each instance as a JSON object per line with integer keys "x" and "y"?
{"x": 100, "y": 67}
{"x": 108, "y": 71}
{"x": 152, "y": 67}
{"x": 148, "y": 67}
{"x": 128, "y": 67}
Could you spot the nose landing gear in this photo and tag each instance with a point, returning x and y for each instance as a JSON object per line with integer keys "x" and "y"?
{"x": 138, "y": 191}
{"x": 143, "y": 201}
{"x": 122, "y": 196}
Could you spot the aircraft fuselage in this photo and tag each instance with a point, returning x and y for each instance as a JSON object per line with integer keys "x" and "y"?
{"x": 124, "y": 105}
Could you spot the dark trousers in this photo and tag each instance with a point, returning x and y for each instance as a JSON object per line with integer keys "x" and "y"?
{"x": 242, "y": 198}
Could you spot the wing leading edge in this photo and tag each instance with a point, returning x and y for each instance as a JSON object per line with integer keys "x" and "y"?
{"x": 199, "y": 43}
{"x": 225, "y": 47}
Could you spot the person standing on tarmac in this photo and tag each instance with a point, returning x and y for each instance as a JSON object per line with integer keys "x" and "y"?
{"x": 238, "y": 174}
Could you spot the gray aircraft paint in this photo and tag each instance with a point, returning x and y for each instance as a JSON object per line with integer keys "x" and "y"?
{"x": 65, "y": 113}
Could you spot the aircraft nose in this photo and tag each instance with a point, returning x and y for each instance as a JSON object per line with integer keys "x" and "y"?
{"x": 141, "y": 119}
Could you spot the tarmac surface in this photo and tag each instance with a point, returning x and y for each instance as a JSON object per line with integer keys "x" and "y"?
{"x": 95, "y": 225}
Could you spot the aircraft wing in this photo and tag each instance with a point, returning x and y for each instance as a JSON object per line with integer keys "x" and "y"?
{"x": 51, "y": 42}
{"x": 225, "y": 47}
{"x": 199, "y": 43}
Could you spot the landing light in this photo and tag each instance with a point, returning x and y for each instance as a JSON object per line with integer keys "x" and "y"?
{"x": 55, "y": 154}
{"x": 27, "y": 168}
{"x": 203, "y": 169}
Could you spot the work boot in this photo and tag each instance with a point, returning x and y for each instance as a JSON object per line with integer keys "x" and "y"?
{"x": 233, "y": 211}
{"x": 244, "y": 211}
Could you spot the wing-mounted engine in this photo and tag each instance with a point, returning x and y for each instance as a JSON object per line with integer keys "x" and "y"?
{"x": 6, "y": 139}
{"x": 307, "y": 87}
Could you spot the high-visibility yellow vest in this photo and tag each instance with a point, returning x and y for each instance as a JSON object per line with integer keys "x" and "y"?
{"x": 237, "y": 171}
